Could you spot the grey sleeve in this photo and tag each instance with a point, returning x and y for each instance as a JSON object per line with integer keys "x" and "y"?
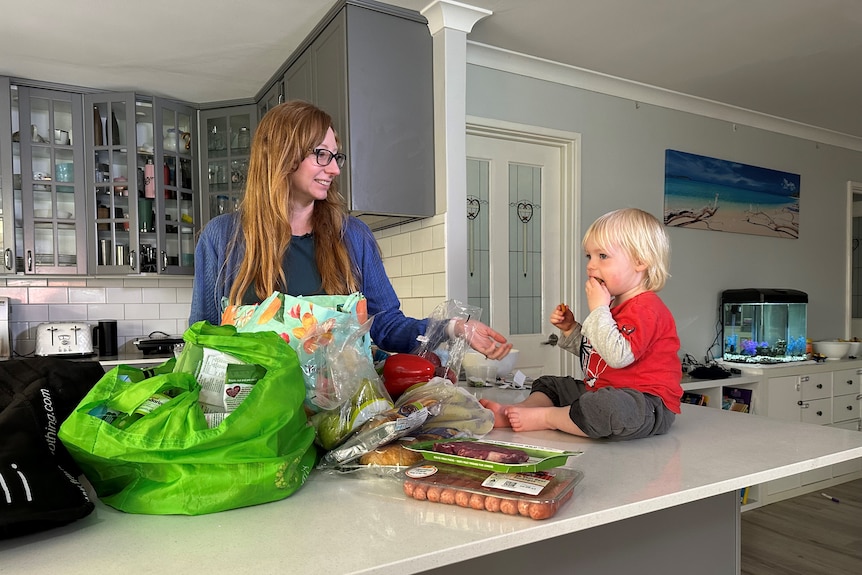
{"x": 601, "y": 329}
{"x": 572, "y": 342}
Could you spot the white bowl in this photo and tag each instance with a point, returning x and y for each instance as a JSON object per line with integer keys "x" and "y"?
{"x": 504, "y": 366}
{"x": 855, "y": 348}
{"x": 832, "y": 349}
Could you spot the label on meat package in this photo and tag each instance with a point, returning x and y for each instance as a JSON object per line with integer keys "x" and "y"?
{"x": 527, "y": 483}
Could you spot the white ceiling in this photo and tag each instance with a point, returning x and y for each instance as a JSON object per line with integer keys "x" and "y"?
{"x": 794, "y": 59}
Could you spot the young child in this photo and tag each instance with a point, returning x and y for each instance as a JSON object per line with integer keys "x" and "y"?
{"x": 628, "y": 343}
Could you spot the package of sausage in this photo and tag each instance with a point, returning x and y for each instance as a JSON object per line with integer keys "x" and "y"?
{"x": 537, "y": 495}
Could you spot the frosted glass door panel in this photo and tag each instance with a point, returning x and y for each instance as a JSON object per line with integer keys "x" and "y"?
{"x": 513, "y": 191}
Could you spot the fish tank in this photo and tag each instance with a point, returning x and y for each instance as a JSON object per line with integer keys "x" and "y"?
{"x": 764, "y": 325}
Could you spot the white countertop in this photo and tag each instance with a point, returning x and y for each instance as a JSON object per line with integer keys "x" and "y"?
{"x": 135, "y": 358}
{"x": 338, "y": 524}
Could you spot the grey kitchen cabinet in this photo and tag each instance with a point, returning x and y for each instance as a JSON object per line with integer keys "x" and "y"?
{"x": 298, "y": 80}
{"x": 7, "y": 198}
{"x": 369, "y": 65}
{"x": 141, "y": 178}
{"x": 48, "y": 181}
{"x": 225, "y": 137}
{"x": 273, "y": 96}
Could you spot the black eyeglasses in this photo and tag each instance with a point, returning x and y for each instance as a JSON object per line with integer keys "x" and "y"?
{"x": 323, "y": 157}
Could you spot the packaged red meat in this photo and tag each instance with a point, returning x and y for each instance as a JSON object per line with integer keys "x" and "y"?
{"x": 537, "y": 494}
{"x": 499, "y": 456}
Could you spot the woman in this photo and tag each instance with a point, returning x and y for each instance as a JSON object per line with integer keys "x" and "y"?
{"x": 291, "y": 234}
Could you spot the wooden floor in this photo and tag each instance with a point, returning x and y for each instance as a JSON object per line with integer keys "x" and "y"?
{"x": 806, "y": 535}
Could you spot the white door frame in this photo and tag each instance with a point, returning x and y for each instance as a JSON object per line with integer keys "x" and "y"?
{"x": 568, "y": 144}
{"x": 853, "y": 188}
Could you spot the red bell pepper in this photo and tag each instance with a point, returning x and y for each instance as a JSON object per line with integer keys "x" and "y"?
{"x": 404, "y": 370}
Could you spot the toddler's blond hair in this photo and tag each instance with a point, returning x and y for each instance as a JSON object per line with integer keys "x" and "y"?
{"x": 642, "y": 237}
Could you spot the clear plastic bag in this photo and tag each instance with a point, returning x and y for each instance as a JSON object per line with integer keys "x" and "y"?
{"x": 460, "y": 415}
{"x": 346, "y": 380}
{"x": 448, "y": 350}
{"x": 382, "y": 429}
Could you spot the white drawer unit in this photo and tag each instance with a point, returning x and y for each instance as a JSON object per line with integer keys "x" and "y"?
{"x": 806, "y": 398}
{"x": 816, "y": 411}
{"x": 815, "y": 386}
{"x": 847, "y": 397}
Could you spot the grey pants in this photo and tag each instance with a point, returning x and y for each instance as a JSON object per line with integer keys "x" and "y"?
{"x": 607, "y": 413}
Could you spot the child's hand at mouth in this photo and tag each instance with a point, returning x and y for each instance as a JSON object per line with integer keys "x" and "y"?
{"x": 597, "y": 293}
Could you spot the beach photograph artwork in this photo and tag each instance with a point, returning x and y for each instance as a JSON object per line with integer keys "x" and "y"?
{"x": 710, "y": 194}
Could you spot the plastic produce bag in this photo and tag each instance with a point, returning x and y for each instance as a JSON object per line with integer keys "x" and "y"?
{"x": 169, "y": 462}
{"x": 310, "y": 325}
{"x": 348, "y": 368}
{"x": 449, "y": 351}
{"x": 381, "y": 429}
{"x": 460, "y": 415}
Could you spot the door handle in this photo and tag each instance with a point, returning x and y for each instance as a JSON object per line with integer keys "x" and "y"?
{"x": 552, "y": 340}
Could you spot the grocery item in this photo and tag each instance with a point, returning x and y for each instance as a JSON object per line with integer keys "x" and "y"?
{"x": 537, "y": 495}
{"x": 392, "y": 454}
{"x": 401, "y": 371}
{"x": 503, "y": 455}
{"x": 486, "y": 451}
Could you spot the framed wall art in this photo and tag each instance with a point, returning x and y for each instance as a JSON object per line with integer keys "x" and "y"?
{"x": 712, "y": 194}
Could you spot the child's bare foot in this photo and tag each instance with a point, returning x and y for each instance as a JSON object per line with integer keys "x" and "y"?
{"x": 499, "y": 411}
{"x": 527, "y": 418}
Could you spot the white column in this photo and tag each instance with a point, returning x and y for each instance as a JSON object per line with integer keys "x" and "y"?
{"x": 450, "y": 22}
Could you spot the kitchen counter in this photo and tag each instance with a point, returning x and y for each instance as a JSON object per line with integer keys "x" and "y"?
{"x": 673, "y": 496}
{"x": 135, "y": 358}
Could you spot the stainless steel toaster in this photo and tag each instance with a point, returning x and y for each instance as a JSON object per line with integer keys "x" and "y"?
{"x": 64, "y": 339}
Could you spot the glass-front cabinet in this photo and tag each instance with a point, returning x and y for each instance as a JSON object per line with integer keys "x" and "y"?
{"x": 48, "y": 181}
{"x": 7, "y": 198}
{"x": 226, "y": 144}
{"x": 141, "y": 180}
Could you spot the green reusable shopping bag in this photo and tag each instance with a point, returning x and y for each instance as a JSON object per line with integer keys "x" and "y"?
{"x": 169, "y": 462}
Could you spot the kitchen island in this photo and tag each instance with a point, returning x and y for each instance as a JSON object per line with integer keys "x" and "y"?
{"x": 665, "y": 504}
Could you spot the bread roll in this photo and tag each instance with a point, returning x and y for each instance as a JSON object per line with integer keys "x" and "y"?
{"x": 391, "y": 454}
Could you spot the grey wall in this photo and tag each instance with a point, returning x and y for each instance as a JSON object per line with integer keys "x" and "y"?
{"x": 622, "y": 165}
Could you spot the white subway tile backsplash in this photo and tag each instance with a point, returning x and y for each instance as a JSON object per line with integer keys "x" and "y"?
{"x": 86, "y": 295}
{"x": 411, "y": 264}
{"x": 49, "y": 295}
{"x": 138, "y": 311}
{"x": 16, "y": 295}
{"x": 401, "y": 245}
{"x": 433, "y": 261}
{"x": 159, "y": 295}
{"x": 403, "y": 286}
{"x": 67, "y": 282}
{"x": 26, "y": 281}
{"x": 124, "y": 295}
{"x": 168, "y": 326}
{"x": 393, "y": 267}
{"x": 130, "y": 328}
{"x": 438, "y": 237}
{"x": 412, "y": 307}
{"x": 385, "y": 244}
{"x": 67, "y": 312}
{"x": 439, "y": 282}
{"x": 165, "y": 307}
{"x": 28, "y": 312}
{"x": 184, "y": 295}
{"x": 421, "y": 240}
{"x": 101, "y": 311}
{"x": 422, "y": 286}
{"x": 180, "y": 311}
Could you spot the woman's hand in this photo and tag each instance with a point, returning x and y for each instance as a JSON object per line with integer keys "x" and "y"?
{"x": 483, "y": 339}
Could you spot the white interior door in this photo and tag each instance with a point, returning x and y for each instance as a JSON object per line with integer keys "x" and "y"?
{"x": 514, "y": 191}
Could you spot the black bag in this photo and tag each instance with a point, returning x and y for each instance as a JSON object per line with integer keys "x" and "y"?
{"x": 38, "y": 478}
